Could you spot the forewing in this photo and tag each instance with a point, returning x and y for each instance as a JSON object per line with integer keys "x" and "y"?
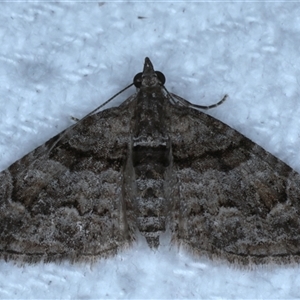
{"x": 65, "y": 199}
{"x": 232, "y": 199}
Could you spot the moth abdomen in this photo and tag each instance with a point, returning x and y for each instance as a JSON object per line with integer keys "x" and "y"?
{"x": 151, "y": 160}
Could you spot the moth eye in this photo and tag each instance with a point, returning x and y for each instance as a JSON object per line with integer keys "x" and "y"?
{"x": 161, "y": 77}
{"x": 137, "y": 80}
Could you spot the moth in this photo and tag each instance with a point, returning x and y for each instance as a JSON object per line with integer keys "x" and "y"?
{"x": 154, "y": 164}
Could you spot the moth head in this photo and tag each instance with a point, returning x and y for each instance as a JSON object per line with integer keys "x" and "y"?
{"x": 149, "y": 77}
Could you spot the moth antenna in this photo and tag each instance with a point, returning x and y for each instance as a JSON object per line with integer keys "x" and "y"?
{"x": 189, "y": 104}
{"x": 107, "y": 101}
{"x": 89, "y": 114}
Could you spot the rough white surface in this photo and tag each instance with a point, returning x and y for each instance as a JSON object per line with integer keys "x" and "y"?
{"x": 61, "y": 60}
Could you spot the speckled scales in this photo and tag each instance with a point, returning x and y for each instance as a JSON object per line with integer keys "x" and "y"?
{"x": 234, "y": 199}
{"x": 151, "y": 165}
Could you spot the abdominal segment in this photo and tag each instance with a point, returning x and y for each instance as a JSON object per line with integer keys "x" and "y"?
{"x": 150, "y": 165}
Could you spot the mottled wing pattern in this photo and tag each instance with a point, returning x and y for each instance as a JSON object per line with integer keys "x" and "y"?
{"x": 151, "y": 165}
{"x": 68, "y": 202}
{"x": 232, "y": 199}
